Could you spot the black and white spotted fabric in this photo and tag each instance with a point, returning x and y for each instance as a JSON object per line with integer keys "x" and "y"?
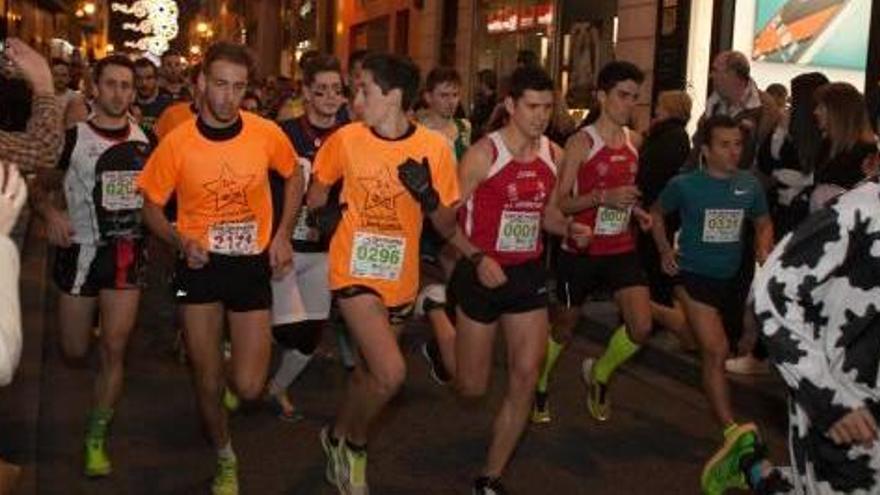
{"x": 818, "y": 303}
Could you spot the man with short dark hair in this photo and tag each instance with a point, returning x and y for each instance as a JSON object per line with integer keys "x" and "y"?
{"x": 374, "y": 253}
{"x": 150, "y": 101}
{"x": 218, "y": 166}
{"x": 71, "y": 102}
{"x": 100, "y": 259}
{"x": 301, "y": 300}
{"x": 715, "y": 203}
{"x": 173, "y": 77}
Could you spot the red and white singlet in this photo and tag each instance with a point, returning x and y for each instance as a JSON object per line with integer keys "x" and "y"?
{"x": 503, "y": 217}
{"x": 606, "y": 168}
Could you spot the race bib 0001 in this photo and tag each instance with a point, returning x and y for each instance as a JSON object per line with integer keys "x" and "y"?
{"x": 377, "y": 256}
{"x": 518, "y": 231}
{"x": 721, "y": 225}
{"x": 119, "y": 192}
{"x": 234, "y": 239}
{"x": 612, "y": 221}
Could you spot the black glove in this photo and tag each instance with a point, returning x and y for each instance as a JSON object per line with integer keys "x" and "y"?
{"x": 326, "y": 218}
{"x": 416, "y": 178}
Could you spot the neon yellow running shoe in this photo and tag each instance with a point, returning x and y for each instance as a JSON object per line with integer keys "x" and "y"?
{"x": 332, "y": 453}
{"x": 541, "y": 409}
{"x": 352, "y": 471}
{"x": 97, "y": 462}
{"x": 598, "y": 400}
{"x": 230, "y": 400}
{"x": 724, "y": 471}
{"x": 226, "y": 480}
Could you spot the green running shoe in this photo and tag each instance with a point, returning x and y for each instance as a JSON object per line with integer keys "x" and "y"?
{"x": 352, "y": 471}
{"x": 723, "y": 471}
{"x": 226, "y": 480}
{"x": 598, "y": 401}
{"x": 230, "y": 400}
{"x": 97, "y": 462}
{"x": 541, "y": 409}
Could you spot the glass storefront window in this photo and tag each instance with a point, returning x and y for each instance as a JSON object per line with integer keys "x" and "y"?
{"x": 507, "y": 27}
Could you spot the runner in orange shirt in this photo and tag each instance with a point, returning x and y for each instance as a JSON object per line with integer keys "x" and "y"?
{"x": 179, "y": 112}
{"x": 374, "y": 253}
{"x": 218, "y": 166}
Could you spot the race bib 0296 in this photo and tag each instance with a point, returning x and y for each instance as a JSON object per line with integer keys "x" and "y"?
{"x": 377, "y": 256}
{"x": 612, "y": 221}
{"x": 720, "y": 225}
{"x": 518, "y": 231}
{"x": 233, "y": 238}
{"x": 119, "y": 192}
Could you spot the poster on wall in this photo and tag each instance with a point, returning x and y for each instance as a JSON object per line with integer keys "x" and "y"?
{"x": 819, "y": 33}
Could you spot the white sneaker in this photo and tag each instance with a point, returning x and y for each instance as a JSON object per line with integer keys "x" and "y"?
{"x": 747, "y": 365}
{"x": 435, "y": 293}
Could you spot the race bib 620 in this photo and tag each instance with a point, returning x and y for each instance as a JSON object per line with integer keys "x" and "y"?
{"x": 119, "y": 192}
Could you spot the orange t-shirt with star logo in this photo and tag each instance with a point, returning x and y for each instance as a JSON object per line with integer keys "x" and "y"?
{"x": 221, "y": 183}
{"x": 377, "y": 242}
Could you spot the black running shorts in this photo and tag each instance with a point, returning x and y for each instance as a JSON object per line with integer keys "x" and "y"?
{"x": 525, "y": 290}
{"x": 579, "y": 275}
{"x": 240, "y": 283}
{"x": 84, "y": 270}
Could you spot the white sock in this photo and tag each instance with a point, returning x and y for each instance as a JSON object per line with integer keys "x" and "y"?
{"x": 226, "y": 452}
{"x": 293, "y": 363}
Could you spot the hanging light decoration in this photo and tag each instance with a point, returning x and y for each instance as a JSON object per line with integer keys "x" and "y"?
{"x": 157, "y": 24}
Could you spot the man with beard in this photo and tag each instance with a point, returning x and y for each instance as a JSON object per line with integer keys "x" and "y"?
{"x": 218, "y": 166}
{"x": 99, "y": 261}
{"x": 150, "y": 101}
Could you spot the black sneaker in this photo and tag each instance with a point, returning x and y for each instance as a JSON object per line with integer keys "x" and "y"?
{"x": 485, "y": 485}
{"x": 431, "y": 352}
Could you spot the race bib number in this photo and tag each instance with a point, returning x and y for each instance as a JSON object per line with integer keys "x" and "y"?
{"x": 377, "y": 256}
{"x": 233, "y": 239}
{"x": 518, "y": 232}
{"x": 119, "y": 192}
{"x": 722, "y": 225}
{"x": 301, "y": 231}
{"x": 612, "y": 221}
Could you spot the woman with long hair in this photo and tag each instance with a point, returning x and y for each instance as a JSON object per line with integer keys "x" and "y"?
{"x": 849, "y": 144}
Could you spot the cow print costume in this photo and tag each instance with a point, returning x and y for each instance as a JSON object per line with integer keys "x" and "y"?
{"x": 818, "y": 303}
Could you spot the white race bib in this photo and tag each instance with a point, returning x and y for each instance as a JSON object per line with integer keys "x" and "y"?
{"x": 722, "y": 225}
{"x": 518, "y": 231}
{"x": 119, "y": 192}
{"x": 301, "y": 231}
{"x": 612, "y": 221}
{"x": 377, "y": 256}
{"x": 235, "y": 239}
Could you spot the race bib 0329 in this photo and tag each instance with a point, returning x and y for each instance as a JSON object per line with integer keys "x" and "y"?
{"x": 722, "y": 225}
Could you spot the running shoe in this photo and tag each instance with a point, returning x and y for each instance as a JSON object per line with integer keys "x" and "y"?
{"x": 435, "y": 362}
{"x": 97, "y": 462}
{"x": 226, "y": 480}
{"x": 352, "y": 474}
{"x": 230, "y": 400}
{"x": 725, "y": 469}
{"x": 598, "y": 400}
{"x": 485, "y": 485}
{"x": 332, "y": 453}
{"x": 541, "y": 408}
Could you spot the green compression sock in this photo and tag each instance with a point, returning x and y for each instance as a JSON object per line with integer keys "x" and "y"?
{"x": 620, "y": 349}
{"x": 554, "y": 349}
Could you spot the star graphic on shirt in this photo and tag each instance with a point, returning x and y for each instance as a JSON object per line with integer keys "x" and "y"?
{"x": 229, "y": 189}
{"x": 382, "y": 191}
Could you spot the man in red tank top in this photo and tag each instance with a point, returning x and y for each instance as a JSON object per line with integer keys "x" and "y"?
{"x": 597, "y": 186}
{"x": 507, "y": 180}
